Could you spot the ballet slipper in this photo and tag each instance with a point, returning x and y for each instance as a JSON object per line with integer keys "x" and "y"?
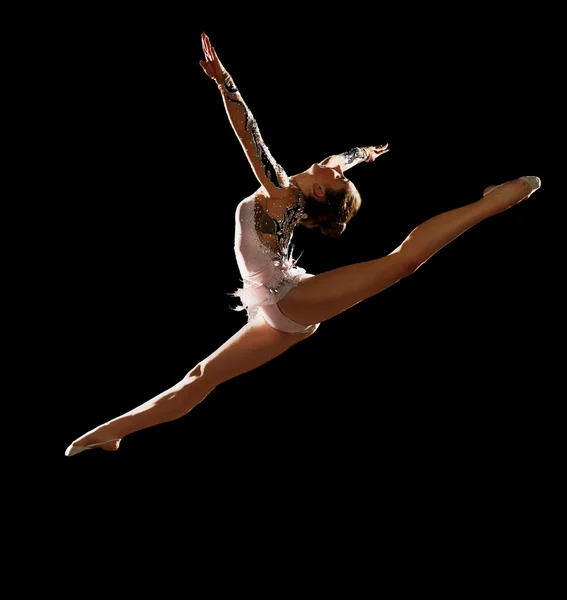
{"x": 533, "y": 181}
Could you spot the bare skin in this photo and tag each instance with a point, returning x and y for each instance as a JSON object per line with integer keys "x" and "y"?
{"x": 314, "y": 300}
{"x": 328, "y": 294}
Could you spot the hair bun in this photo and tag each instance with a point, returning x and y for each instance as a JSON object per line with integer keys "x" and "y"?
{"x": 333, "y": 228}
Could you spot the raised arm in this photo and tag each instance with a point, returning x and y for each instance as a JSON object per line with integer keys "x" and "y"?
{"x": 355, "y": 156}
{"x": 268, "y": 172}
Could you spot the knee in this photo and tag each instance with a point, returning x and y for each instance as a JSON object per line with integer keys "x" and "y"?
{"x": 407, "y": 262}
{"x": 197, "y": 375}
{"x": 411, "y": 265}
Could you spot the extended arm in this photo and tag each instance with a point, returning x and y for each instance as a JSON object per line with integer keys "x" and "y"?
{"x": 353, "y": 157}
{"x": 268, "y": 172}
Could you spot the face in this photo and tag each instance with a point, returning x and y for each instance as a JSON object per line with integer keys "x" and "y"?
{"x": 325, "y": 177}
{"x": 332, "y": 177}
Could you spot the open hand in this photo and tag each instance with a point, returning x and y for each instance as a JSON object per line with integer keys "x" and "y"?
{"x": 375, "y": 151}
{"x": 211, "y": 65}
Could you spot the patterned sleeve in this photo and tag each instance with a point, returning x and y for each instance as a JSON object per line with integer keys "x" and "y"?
{"x": 268, "y": 172}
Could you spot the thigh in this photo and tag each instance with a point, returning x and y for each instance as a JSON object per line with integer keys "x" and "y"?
{"x": 252, "y": 346}
{"x": 324, "y": 296}
{"x": 274, "y": 317}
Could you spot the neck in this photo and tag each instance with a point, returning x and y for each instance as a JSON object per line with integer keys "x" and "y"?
{"x": 302, "y": 182}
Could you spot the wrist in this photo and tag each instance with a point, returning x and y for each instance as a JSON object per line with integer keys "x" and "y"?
{"x": 224, "y": 81}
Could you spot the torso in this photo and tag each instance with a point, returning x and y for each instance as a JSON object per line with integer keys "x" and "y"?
{"x": 264, "y": 227}
{"x": 276, "y": 218}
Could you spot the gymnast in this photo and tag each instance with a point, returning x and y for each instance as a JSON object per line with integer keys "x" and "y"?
{"x": 285, "y": 304}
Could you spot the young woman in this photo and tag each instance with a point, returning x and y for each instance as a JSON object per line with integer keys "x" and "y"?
{"x": 286, "y": 305}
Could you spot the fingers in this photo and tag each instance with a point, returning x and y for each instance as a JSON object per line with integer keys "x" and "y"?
{"x": 209, "y": 51}
{"x": 206, "y": 44}
{"x": 208, "y": 47}
{"x": 376, "y": 151}
{"x": 381, "y": 149}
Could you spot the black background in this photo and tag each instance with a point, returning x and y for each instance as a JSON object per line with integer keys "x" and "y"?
{"x": 448, "y": 372}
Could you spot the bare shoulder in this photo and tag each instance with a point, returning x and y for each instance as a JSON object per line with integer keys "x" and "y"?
{"x": 275, "y": 205}
{"x": 280, "y": 193}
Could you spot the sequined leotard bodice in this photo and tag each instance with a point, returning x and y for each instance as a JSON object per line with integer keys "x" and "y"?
{"x": 264, "y": 253}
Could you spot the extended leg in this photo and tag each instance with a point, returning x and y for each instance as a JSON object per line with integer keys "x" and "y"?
{"x": 322, "y": 297}
{"x": 252, "y": 346}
